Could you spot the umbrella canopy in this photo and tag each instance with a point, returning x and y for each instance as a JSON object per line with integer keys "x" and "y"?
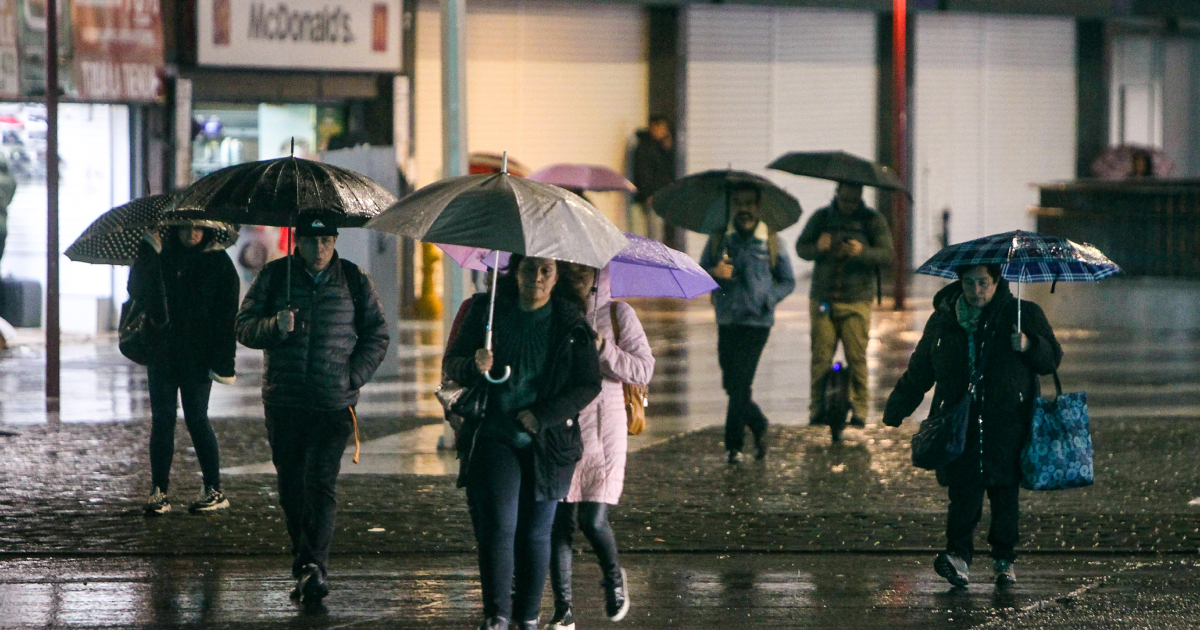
{"x": 646, "y": 268}
{"x": 838, "y": 166}
{"x": 583, "y": 177}
{"x": 508, "y": 214}
{"x": 113, "y": 238}
{"x": 1024, "y": 257}
{"x": 282, "y": 192}
{"x": 700, "y": 202}
{"x": 1131, "y": 160}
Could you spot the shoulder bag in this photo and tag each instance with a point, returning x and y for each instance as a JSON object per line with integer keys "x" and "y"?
{"x": 635, "y": 395}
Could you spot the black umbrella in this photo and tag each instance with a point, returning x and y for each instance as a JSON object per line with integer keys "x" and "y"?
{"x": 113, "y": 238}
{"x": 838, "y": 166}
{"x": 700, "y": 202}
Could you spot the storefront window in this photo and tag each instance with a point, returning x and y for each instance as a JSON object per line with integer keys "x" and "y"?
{"x": 228, "y": 134}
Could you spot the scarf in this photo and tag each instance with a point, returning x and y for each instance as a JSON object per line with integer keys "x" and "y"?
{"x": 968, "y": 318}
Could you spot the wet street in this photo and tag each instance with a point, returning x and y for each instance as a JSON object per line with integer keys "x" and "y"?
{"x": 818, "y": 536}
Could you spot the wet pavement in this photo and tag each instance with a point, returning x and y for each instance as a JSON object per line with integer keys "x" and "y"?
{"x": 819, "y": 535}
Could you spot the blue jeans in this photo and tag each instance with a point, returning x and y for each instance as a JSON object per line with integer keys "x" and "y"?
{"x": 168, "y": 384}
{"x": 512, "y": 530}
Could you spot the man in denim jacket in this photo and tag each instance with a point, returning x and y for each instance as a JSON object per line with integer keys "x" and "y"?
{"x": 745, "y": 261}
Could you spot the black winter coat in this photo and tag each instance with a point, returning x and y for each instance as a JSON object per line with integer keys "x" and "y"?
{"x": 570, "y": 381}
{"x": 338, "y": 341}
{"x": 1003, "y": 406}
{"x": 202, "y": 299}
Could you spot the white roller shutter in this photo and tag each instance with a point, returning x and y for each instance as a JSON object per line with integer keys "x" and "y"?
{"x": 994, "y": 110}
{"x": 764, "y": 81}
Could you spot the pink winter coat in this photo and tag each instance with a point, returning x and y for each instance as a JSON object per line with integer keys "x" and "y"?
{"x": 600, "y": 475}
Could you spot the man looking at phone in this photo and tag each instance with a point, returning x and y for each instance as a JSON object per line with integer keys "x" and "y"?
{"x": 752, "y": 277}
{"x": 849, "y": 243}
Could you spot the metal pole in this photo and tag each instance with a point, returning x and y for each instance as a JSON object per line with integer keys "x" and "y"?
{"x": 52, "y": 253}
{"x": 454, "y": 133}
{"x": 900, "y": 149}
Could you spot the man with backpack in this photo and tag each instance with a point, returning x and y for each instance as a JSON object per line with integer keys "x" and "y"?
{"x": 323, "y": 336}
{"x": 752, "y": 277}
{"x": 849, "y": 242}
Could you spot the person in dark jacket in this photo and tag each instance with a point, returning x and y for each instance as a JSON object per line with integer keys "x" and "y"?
{"x": 518, "y": 460}
{"x": 753, "y": 277}
{"x": 849, "y": 243}
{"x": 323, "y": 340}
{"x": 974, "y": 326}
{"x": 651, "y": 167}
{"x": 201, "y": 291}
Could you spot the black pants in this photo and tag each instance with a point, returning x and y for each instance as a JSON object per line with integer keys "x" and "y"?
{"x": 738, "y": 350}
{"x": 592, "y": 519}
{"x": 168, "y": 385}
{"x": 307, "y": 447}
{"x": 966, "y": 509}
{"x": 512, "y": 530}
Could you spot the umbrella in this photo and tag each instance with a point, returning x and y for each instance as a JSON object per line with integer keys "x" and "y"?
{"x": 482, "y": 163}
{"x": 506, "y": 214}
{"x": 1024, "y": 257}
{"x": 1121, "y": 162}
{"x": 113, "y": 238}
{"x": 646, "y": 268}
{"x": 838, "y": 166}
{"x": 700, "y": 202}
{"x": 577, "y": 177}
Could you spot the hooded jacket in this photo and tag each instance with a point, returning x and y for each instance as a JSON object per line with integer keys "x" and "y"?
{"x": 569, "y": 382}
{"x": 201, "y": 287}
{"x": 758, "y": 283}
{"x": 337, "y": 343}
{"x": 1003, "y": 404}
{"x": 600, "y": 475}
{"x": 846, "y": 280}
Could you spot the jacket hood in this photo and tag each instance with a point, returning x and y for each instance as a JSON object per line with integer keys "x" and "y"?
{"x": 946, "y": 298}
{"x": 599, "y": 301}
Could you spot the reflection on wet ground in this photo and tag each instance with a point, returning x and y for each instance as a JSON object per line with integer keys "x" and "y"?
{"x": 441, "y": 591}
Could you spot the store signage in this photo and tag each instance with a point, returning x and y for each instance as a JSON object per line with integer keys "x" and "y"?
{"x": 300, "y": 34}
{"x": 10, "y": 74}
{"x": 118, "y": 53}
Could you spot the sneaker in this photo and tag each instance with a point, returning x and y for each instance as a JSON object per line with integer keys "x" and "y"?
{"x": 858, "y": 421}
{"x": 157, "y": 504}
{"x": 312, "y": 585}
{"x": 563, "y": 619}
{"x": 494, "y": 623}
{"x": 760, "y": 447}
{"x": 616, "y": 597}
{"x": 210, "y": 501}
{"x": 733, "y": 457}
{"x": 1005, "y": 572}
{"x": 953, "y": 568}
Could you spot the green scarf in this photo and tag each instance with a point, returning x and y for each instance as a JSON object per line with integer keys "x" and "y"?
{"x": 968, "y": 318}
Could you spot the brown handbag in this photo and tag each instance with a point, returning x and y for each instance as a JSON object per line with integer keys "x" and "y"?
{"x": 635, "y": 395}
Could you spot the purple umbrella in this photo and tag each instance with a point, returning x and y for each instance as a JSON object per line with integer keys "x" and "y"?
{"x": 646, "y": 268}
{"x": 583, "y": 177}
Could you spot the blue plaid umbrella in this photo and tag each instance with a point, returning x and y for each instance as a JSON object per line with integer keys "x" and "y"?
{"x": 1024, "y": 257}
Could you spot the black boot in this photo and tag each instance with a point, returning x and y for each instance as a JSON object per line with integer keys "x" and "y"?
{"x": 494, "y": 623}
{"x": 616, "y": 595}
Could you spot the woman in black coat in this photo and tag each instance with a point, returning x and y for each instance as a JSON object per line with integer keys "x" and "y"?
{"x": 517, "y": 462}
{"x": 975, "y": 320}
{"x": 201, "y": 287}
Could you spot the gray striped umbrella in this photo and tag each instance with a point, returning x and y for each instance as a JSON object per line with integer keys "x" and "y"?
{"x": 113, "y": 238}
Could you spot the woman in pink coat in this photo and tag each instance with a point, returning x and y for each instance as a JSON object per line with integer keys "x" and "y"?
{"x": 600, "y": 475}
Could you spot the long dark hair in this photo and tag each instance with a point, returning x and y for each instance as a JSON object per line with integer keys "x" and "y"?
{"x": 564, "y": 287}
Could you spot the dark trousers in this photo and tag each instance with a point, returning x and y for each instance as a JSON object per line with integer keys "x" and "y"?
{"x": 512, "y": 530}
{"x": 592, "y": 519}
{"x": 966, "y": 509}
{"x": 738, "y": 350}
{"x": 168, "y": 386}
{"x": 307, "y": 447}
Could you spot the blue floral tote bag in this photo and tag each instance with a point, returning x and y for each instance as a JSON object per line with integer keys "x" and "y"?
{"x": 1059, "y": 453}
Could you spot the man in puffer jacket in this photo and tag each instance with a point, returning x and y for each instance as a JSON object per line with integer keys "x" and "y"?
{"x": 321, "y": 346}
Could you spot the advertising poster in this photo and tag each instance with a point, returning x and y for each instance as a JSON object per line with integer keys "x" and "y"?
{"x": 118, "y": 50}
{"x": 10, "y": 73}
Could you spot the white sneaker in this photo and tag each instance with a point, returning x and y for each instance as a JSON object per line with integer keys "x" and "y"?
{"x": 157, "y": 504}
{"x": 210, "y": 501}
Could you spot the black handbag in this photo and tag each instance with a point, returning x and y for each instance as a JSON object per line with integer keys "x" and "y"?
{"x": 942, "y": 437}
{"x": 139, "y": 335}
{"x": 466, "y": 401}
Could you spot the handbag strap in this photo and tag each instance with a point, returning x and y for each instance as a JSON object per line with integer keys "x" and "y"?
{"x": 616, "y": 323}
{"x": 1057, "y": 385}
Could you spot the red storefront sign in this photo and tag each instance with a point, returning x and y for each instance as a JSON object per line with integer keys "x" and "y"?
{"x": 118, "y": 50}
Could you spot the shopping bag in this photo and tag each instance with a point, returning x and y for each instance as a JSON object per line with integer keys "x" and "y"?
{"x": 1059, "y": 453}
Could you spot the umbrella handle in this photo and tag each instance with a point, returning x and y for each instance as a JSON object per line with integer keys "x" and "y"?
{"x": 497, "y": 381}
{"x": 491, "y": 311}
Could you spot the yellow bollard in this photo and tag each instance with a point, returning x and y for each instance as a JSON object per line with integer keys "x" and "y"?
{"x": 429, "y": 305}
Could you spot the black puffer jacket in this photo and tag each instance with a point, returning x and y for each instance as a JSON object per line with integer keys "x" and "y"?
{"x": 338, "y": 341}
{"x": 1004, "y": 406}
{"x": 570, "y": 381}
{"x": 202, "y": 296}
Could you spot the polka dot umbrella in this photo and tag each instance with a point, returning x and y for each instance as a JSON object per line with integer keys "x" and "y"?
{"x": 113, "y": 238}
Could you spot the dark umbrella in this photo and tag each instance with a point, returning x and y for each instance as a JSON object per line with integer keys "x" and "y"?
{"x": 700, "y": 202}
{"x": 838, "y": 166}
{"x": 113, "y": 238}
{"x": 506, "y": 214}
{"x": 1024, "y": 257}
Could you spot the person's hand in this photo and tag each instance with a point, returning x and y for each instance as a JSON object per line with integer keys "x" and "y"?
{"x": 851, "y": 248}
{"x": 1020, "y": 342}
{"x": 528, "y": 420}
{"x": 286, "y": 320}
{"x": 723, "y": 270}
{"x": 892, "y": 422}
{"x": 825, "y": 242}
{"x": 224, "y": 380}
{"x": 483, "y": 360}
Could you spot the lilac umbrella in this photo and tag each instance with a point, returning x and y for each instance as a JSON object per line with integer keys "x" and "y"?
{"x": 583, "y": 177}
{"x": 646, "y": 268}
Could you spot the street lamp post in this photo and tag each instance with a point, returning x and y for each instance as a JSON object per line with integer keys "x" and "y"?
{"x": 52, "y": 253}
